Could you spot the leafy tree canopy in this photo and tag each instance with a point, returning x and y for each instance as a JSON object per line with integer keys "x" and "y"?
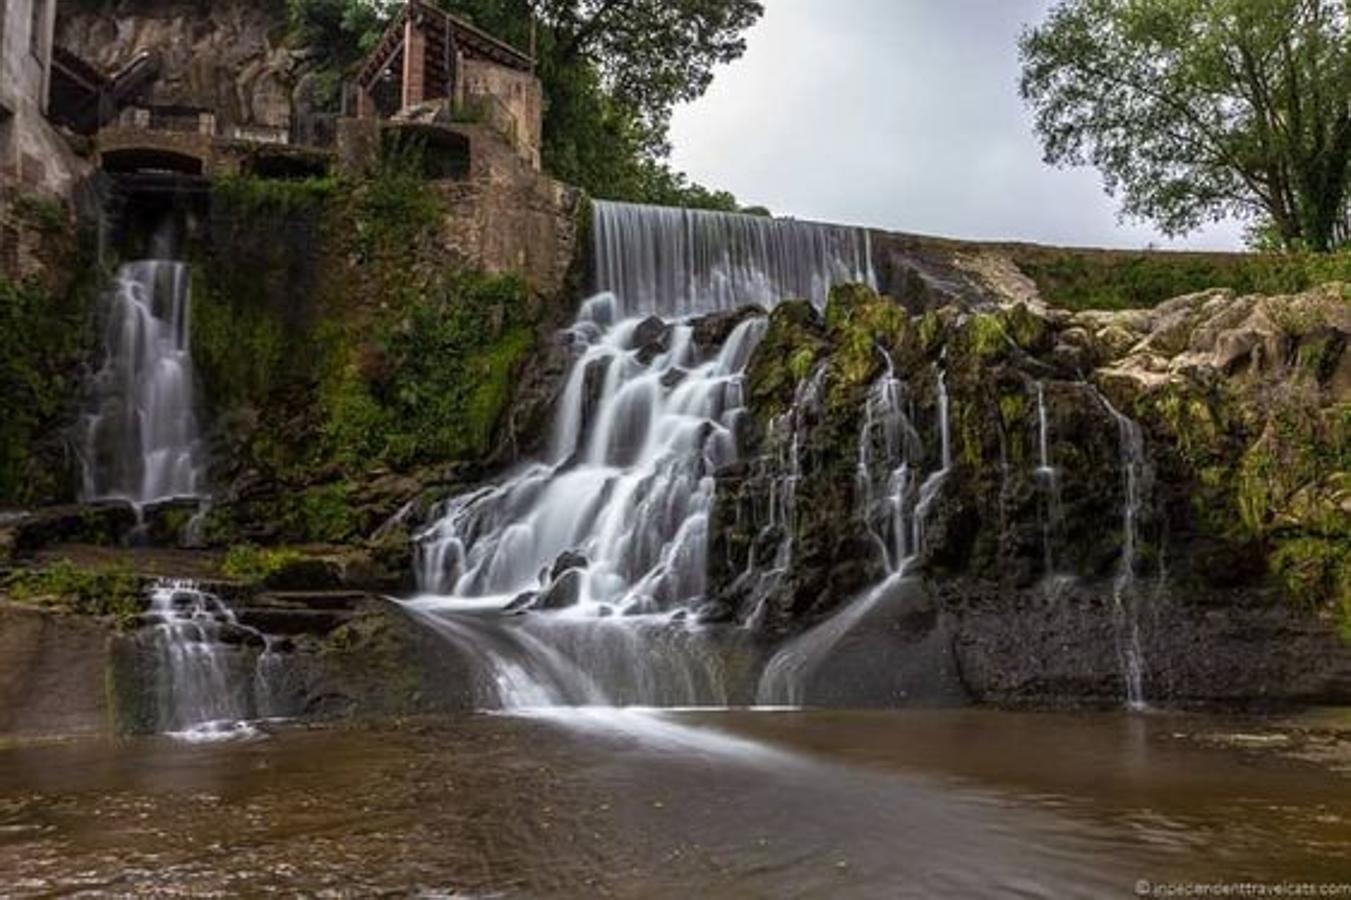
{"x": 612, "y": 71}
{"x": 1200, "y": 110}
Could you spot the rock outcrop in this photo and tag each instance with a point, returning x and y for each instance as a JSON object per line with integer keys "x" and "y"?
{"x": 1169, "y": 483}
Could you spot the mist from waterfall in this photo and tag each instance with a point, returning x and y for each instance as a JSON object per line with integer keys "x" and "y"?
{"x": 580, "y": 578}
{"x": 141, "y": 438}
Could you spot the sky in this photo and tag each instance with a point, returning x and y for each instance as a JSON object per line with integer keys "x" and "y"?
{"x": 898, "y": 114}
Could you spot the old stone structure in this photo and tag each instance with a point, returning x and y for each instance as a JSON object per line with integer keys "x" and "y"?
{"x": 33, "y": 157}
{"x": 430, "y": 57}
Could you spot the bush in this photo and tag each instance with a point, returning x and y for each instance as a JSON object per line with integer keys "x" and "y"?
{"x": 1090, "y": 279}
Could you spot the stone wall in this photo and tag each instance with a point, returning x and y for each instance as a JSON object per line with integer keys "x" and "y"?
{"x": 233, "y": 59}
{"x": 33, "y": 157}
{"x": 519, "y": 94}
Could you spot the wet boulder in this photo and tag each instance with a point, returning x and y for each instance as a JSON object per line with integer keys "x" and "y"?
{"x": 651, "y": 338}
{"x": 521, "y": 602}
{"x": 567, "y": 560}
{"x": 711, "y": 331}
{"x": 565, "y": 591}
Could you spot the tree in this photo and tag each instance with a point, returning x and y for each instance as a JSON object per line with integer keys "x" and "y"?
{"x": 1200, "y": 110}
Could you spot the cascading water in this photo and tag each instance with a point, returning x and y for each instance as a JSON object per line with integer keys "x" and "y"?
{"x": 1049, "y": 478}
{"x": 1137, "y": 478}
{"x": 603, "y": 547}
{"x": 214, "y": 674}
{"x": 681, "y": 262}
{"x": 889, "y": 452}
{"x": 142, "y": 443}
{"x": 782, "y": 466}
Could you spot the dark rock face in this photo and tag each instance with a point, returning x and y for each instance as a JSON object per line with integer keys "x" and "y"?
{"x": 106, "y": 523}
{"x": 651, "y": 338}
{"x": 1038, "y": 647}
{"x": 1024, "y": 544}
{"x": 712, "y": 331}
{"x": 51, "y": 672}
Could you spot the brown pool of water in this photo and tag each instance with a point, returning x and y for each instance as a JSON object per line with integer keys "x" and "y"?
{"x": 579, "y": 803}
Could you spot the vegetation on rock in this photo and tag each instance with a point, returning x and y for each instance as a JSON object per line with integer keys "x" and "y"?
{"x": 111, "y": 591}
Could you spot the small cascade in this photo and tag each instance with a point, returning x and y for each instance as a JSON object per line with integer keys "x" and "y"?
{"x": 680, "y": 262}
{"x": 142, "y": 442}
{"x": 1137, "y": 479}
{"x": 887, "y": 446}
{"x": 782, "y": 466}
{"x": 214, "y": 674}
{"x": 1049, "y": 479}
{"x": 896, "y": 521}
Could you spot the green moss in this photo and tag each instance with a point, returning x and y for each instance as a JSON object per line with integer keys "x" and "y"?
{"x": 858, "y": 322}
{"x": 1316, "y": 571}
{"x": 1027, "y": 330}
{"x": 792, "y": 344}
{"x": 249, "y": 562}
{"x": 928, "y": 330}
{"x": 112, "y": 591}
{"x": 985, "y": 336}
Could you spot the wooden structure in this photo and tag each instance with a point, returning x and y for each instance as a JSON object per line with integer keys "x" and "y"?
{"x": 425, "y": 48}
{"x": 85, "y": 100}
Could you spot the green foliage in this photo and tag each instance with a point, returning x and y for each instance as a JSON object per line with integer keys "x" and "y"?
{"x": 1108, "y": 280}
{"x": 452, "y": 359}
{"x": 394, "y": 209}
{"x": 44, "y": 213}
{"x": 249, "y": 562}
{"x": 44, "y": 341}
{"x": 323, "y": 513}
{"x": 113, "y": 591}
{"x": 1201, "y": 110}
{"x": 247, "y": 195}
{"x": 341, "y": 30}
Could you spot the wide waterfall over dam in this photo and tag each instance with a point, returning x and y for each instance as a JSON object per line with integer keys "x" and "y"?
{"x": 602, "y": 548}
{"x": 681, "y": 262}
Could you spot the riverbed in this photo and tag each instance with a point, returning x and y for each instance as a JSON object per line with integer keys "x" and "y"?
{"x": 726, "y": 803}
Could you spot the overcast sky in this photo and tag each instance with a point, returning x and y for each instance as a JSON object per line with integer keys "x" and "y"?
{"x": 901, "y": 114}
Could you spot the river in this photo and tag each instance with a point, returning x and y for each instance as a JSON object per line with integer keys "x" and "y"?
{"x": 679, "y": 803}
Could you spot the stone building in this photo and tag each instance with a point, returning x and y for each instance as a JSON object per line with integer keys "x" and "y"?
{"x": 432, "y": 62}
{"x": 33, "y": 157}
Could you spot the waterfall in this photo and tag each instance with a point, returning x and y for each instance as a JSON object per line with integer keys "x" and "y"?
{"x": 213, "y": 673}
{"x": 781, "y": 465}
{"x": 895, "y": 520}
{"x": 679, "y": 262}
{"x": 1136, "y": 477}
{"x": 141, "y": 441}
{"x": 1049, "y": 477}
{"x": 580, "y": 578}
